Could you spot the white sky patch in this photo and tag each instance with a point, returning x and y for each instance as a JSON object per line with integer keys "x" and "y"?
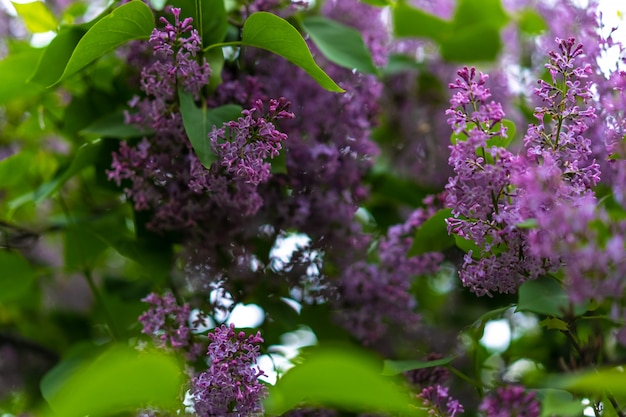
{"x": 497, "y": 335}
{"x": 279, "y": 359}
{"x": 246, "y": 315}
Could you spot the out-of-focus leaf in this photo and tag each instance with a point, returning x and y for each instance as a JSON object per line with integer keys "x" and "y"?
{"x": 81, "y": 248}
{"x": 118, "y": 380}
{"x": 377, "y": 3}
{"x": 272, "y": 33}
{"x": 479, "y": 13}
{"x": 350, "y": 52}
{"x": 85, "y": 156}
{"x": 552, "y": 323}
{"x": 341, "y": 378}
{"x": 37, "y": 17}
{"x": 545, "y": 295}
{"x": 16, "y": 277}
{"x": 14, "y": 169}
{"x": 556, "y": 402}
{"x": 472, "y": 44}
{"x": 16, "y": 70}
{"x": 416, "y": 23}
{"x": 531, "y": 22}
{"x": 398, "y": 367}
{"x": 432, "y": 235}
{"x": 113, "y": 126}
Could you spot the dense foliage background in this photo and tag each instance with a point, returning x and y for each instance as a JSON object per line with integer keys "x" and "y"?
{"x": 276, "y": 207}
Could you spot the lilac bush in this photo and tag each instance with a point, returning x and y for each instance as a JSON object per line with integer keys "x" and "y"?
{"x": 361, "y": 174}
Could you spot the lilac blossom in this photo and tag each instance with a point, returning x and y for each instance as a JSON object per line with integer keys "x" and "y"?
{"x": 439, "y": 403}
{"x": 230, "y": 386}
{"x": 481, "y": 193}
{"x": 510, "y": 401}
{"x": 375, "y": 298}
{"x": 243, "y": 146}
{"x": 168, "y": 324}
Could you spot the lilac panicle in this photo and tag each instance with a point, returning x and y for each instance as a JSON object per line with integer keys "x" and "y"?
{"x": 439, "y": 403}
{"x": 168, "y": 323}
{"x": 230, "y": 386}
{"x": 375, "y": 298}
{"x": 510, "y": 401}
{"x": 244, "y": 145}
{"x": 481, "y": 193}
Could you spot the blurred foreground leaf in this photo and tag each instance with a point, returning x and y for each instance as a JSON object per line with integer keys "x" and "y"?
{"x": 341, "y": 378}
{"x": 119, "y": 379}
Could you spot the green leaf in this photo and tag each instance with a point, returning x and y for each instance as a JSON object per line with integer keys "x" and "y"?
{"x": 556, "y": 402}
{"x": 552, "y": 323}
{"x": 16, "y": 69}
{"x": 432, "y": 235}
{"x": 350, "y": 52}
{"x": 17, "y": 275}
{"x": 472, "y": 44}
{"x": 531, "y": 22}
{"x": 416, "y": 23}
{"x": 467, "y": 245}
{"x": 81, "y": 248}
{"x": 279, "y": 163}
{"x": 155, "y": 257}
{"x": 499, "y": 140}
{"x": 212, "y": 23}
{"x": 347, "y": 379}
{"x": 118, "y": 380}
{"x": 113, "y": 126}
{"x": 595, "y": 381}
{"x": 398, "y": 367}
{"x": 133, "y": 20}
{"x": 272, "y": 33}
{"x": 479, "y": 13}
{"x": 527, "y": 224}
{"x": 86, "y": 156}
{"x": 377, "y": 3}
{"x": 475, "y": 34}
{"x": 14, "y": 169}
{"x": 545, "y": 295}
{"x": 56, "y": 55}
{"x": 199, "y": 122}
{"x": 37, "y": 17}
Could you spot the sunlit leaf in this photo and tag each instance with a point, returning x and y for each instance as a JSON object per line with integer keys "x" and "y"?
{"x": 36, "y": 15}
{"x": 272, "y": 33}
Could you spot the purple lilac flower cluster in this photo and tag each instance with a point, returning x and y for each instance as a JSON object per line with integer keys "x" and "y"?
{"x": 551, "y": 186}
{"x": 439, "y": 403}
{"x": 481, "y": 192}
{"x": 372, "y": 299}
{"x": 166, "y": 176}
{"x": 510, "y": 401}
{"x": 230, "y": 386}
{"x": 168, "y": 324}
